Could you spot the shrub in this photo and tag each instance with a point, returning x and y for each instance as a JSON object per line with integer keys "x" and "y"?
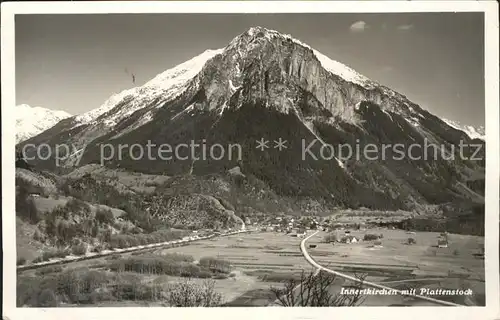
{"x": 104, "y": 216}
{"x": 105, "y": 236}
{"x": 189, "y": 294}
{"x": 79, "y": 249}
{"x": 215, "y": 265}
{"x": 27, "y": 290}
{"x": 78, "y": 284}
{"x": 49, "y": 254}
{"x": 47, "y": 270}
{"x": 132, "y": 241}
{"x": 136, "y": 230}
{"x": 139, "y": 239}
{"x": 178, "y": 257}
{"x": 370, "y": 237}
{"x": 175, "y": 265}
{"x": 190, "y": 271}
{"x": 204, "y": 274}
{"x": 101, "y": 294}
{"x": 78, "y": 206}
{"x": 133, "y": 289}
{"x": 331, "y": 237}
{"x": 25, "y": 206}
{"x": 114, "y": 257}
{"x": 119, "y": 241}
{"x": 37, "y": 236}
{"x": 73, "y": 285}
{"x": 47, "y": 298}
{"x": 38, "y": 259}
{"x": 61, "y": 253}
{"x": 313, "y": 290}
{"x": 21, "y": 261}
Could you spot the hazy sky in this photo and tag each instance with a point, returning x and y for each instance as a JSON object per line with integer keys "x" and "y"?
{"x": 75, "y": 62}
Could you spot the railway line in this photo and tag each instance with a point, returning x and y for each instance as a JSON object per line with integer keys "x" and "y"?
{"x": 105, "y": 253}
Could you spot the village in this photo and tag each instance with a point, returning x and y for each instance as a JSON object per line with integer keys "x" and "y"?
{"x": 336, "y": 232}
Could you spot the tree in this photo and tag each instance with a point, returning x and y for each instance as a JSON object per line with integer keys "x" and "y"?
{"x": 314, "y": 290}
{"x": 21, "y": 161}
{"x": 47, "y": 298}
{"x": 215, "y": 265}
{"x": 331, "y": 237}
{"x": 25, "y": 206}
{"x": 369, "y": 237}
{"x": 412, "y": 241}
{"x": 190, "y": 294}
{"x": 104, "y": 216}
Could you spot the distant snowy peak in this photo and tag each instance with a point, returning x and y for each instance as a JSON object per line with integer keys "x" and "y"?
{"x": 31, "y": 121}
{"x": 166, "y": 85}
{"x": 472, "y": 132}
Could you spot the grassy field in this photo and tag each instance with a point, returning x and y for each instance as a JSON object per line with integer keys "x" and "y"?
{"x": 260, "y": 260}
{"x": 265, "y": 259}
{"x": 272, "y": 257}
{"x": 400, "y": 265}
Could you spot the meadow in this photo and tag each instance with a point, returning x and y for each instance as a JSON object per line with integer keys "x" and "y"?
{"x": 258, "y": 261}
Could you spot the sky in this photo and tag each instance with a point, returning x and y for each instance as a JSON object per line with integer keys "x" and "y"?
{"x": 76, "y": 62}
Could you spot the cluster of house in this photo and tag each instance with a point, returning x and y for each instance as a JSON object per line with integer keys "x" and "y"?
{"x": 292, "y": 227}
{"x": 349, "y": 238}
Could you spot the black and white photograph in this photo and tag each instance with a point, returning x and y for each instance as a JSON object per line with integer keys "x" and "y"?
{"x": 250, "y": 154}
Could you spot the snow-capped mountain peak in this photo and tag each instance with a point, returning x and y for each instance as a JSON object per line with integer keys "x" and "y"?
{"x": 258, "y": 46}
{"x": 183, "y": 72}
{"x": 264, "y": 83}
{"x": 342, "y": 70}
{"x": 31, "y": 121}
{"x": 173, "y": 82}
{"x": 259, "y": 64}
{"x": 472, "y": 132}
{"x": 167, "y": 84}
{"x": 328, "y": 64}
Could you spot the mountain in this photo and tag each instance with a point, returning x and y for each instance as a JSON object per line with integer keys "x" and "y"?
{"x": 267, "y": 85}
{"x": 31, "y": 121}
{"x": 471, "y": 131}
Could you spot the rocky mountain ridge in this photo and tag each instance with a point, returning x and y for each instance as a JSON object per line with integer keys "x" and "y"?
{"x": 264, "y": 84}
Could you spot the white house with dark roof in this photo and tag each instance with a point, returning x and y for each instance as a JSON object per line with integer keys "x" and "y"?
{"x": 442, "y": 244}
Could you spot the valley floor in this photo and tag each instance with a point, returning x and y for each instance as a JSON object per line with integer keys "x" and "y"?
{"x": 262, "y": 260}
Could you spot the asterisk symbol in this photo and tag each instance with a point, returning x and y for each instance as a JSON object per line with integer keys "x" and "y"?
{"x": 262, "y": 144}
{"x": 280, "y": 144}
